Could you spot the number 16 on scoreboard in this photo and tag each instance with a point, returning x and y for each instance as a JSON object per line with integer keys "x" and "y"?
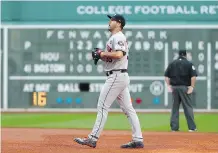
{"x": 39, "y": 98}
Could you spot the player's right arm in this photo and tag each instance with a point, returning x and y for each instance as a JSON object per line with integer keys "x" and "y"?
{"x": 114, "y": 55}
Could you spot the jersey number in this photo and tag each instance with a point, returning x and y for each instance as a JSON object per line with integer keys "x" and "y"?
{"x": 108, "y": 60}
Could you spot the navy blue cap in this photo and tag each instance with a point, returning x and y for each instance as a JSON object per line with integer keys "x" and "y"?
{"x": 118, "y": 18}
{"x": 182, "y": 53}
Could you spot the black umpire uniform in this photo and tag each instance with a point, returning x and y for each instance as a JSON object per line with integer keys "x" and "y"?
{"x": 180, "y": 76}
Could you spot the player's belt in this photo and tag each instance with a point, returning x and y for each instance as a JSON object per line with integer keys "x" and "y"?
{"x": 111, "y": 72}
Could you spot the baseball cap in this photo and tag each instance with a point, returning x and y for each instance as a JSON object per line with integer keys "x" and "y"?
{"x": 118, "y": 18}
{"x": 182, "y": 53}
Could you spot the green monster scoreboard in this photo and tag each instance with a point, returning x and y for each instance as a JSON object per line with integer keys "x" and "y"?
{"x": 45, "y": 66}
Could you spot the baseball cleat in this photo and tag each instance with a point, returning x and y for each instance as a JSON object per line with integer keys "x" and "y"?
{"x": 133, "y": 144}
{"x": 195, "y": 130}
{"x": 174, "y": 130}
{"x": 86, "y": 141}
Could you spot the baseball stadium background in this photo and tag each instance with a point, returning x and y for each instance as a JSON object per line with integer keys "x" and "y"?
{"x": 46, "y": 66}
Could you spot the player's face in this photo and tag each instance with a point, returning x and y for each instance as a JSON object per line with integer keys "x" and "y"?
{"x": 112, "y": 25}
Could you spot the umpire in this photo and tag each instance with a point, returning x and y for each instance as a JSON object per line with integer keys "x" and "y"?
{"x": 180, "y": 77}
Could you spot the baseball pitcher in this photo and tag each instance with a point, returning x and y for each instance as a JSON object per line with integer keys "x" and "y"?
{"x": 115, "y": 59}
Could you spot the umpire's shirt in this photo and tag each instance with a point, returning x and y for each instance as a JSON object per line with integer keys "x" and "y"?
{"x": 180, "y": 72}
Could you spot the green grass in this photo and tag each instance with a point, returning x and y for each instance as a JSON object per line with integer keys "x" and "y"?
{"x": 149, "y": 121}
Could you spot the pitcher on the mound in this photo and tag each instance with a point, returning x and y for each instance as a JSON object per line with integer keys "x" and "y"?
{"x": 116, "y": 85}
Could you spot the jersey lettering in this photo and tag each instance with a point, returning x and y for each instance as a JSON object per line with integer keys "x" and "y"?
{"x": 108, "y": 48}
{"x": 109, "y": 59}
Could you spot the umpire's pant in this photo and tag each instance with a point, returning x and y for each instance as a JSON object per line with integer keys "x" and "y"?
{"x": 180, "y": 95}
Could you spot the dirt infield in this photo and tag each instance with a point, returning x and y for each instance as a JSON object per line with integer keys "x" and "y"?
{"x": 20, "y": 140}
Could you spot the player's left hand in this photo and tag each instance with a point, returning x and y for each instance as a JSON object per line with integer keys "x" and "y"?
{"x": 96, "y": 55}
{"x": 190, "y": 89}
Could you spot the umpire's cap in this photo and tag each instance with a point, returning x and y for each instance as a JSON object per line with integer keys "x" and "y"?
{"x": 182, "y": 53}
{"x": 118, "y": 18}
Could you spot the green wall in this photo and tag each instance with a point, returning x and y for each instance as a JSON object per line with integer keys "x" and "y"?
{"x": 134, "y": 11}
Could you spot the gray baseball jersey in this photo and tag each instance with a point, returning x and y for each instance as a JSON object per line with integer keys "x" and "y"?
{"x": 117, "y": 42}
{"x": 116, "y": 88}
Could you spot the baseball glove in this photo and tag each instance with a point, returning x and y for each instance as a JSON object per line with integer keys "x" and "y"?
{"x": 96, "y": 55}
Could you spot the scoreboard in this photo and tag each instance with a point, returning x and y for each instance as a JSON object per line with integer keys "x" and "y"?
{"x": 50, "y": 62}
{"x": 1, "y": 71}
